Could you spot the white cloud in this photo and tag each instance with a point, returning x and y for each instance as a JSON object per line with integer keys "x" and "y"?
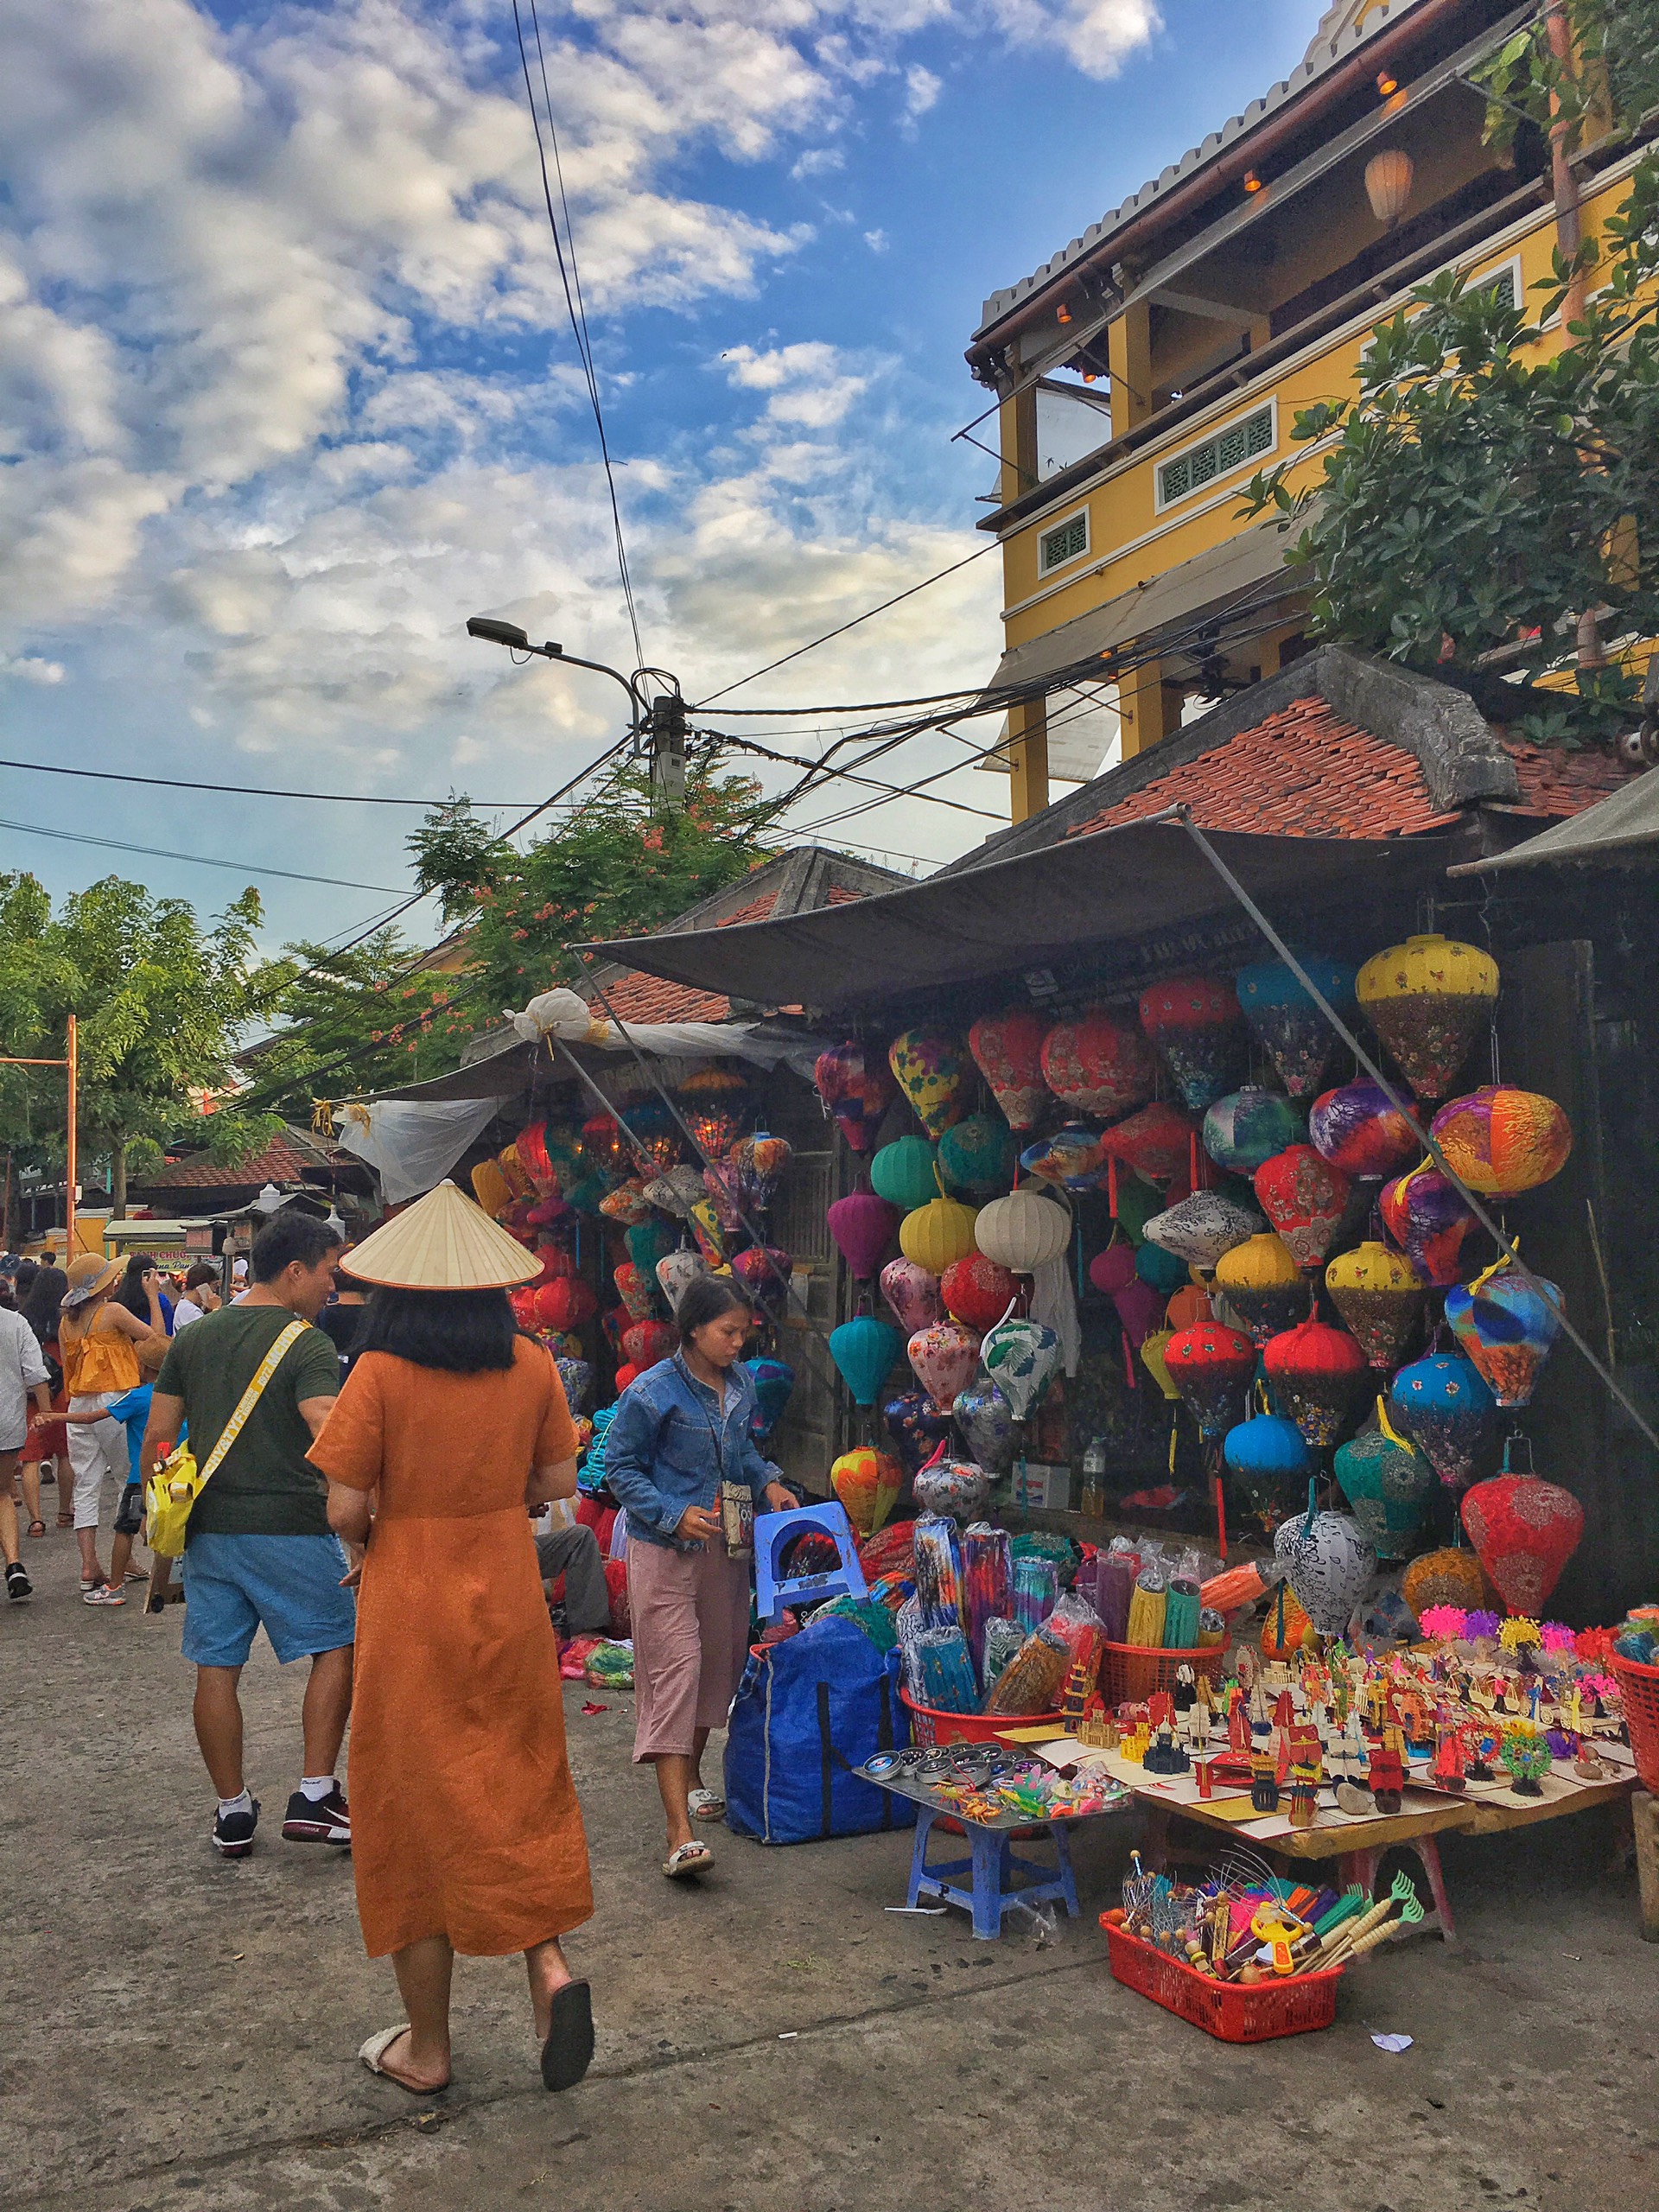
{"x": 922, "y": 89}
{"x": 29, "y": 669}
{"x": 1097, "y": 36}
{"x": 818, "y": 161}
{"x": 877, "y": 241}
{"x": 807, "y": 384}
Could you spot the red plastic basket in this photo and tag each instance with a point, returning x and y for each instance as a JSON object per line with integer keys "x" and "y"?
{"x": 929, "y": 1725}
{"x": 1232, "y": 2011}
{"x": 1130, "y": 1673}
{"x": 1639, "y": 1686}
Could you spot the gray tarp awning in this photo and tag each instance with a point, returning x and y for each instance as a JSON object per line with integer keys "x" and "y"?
{"x": 1118, "y": 883}
{"x": 1216, "y": 580}
{"x": 1612, "y": 830}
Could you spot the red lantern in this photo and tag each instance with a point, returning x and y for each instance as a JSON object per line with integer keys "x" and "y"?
{"x": 625, "y": 1375}
{"x": 531, "y": 1145}
{"x": 763, "y": 1271}
{"x": 863, "y": 1227}
{"x": 1196, "y": 1024}
{"x": 565, "y": 1304}
{"x": 977, "y": 1291}
{"x": 1099, "y": 1066}
{"x": 1007, "y": 1052}
{"x": 1157, "y": 1142}
{"x": 1429, "y": 1220}
{"x": 1304, "y": 1197}
{"x": 603, "y": 1145}
{"x": 1210, "y": 1366}
{"x": 858, "y": 1088}
{"x": 633, "y": 1288}
{"x": 1317, "y": 1372}
{"x": 557, "y": 1264}
{"x": 647, "y": 1342}
{"x": 523, "y": 1303}
{"x": 714, "y": 1102}
{"x": 1524, "y": 1531}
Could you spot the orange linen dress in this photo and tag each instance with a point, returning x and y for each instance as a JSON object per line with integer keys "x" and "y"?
{"x": 464, "y": 1819}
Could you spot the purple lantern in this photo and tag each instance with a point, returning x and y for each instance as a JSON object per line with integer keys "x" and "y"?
{"x": 863, "y": 1227}
{"x": 912, "y": 1293}
{"x": 1359, "y": 1129}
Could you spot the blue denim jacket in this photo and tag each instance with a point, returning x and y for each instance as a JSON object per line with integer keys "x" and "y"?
{"x": 660, "y": 1453}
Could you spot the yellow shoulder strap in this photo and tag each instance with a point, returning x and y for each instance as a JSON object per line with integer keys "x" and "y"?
{"x": 252, "y": 1395}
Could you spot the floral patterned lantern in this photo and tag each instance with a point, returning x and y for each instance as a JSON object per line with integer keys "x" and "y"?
{"x": 1210, "y": 1365}
{"x": 956, "y": 1488}
{"x": 1007, "y": 1052}
{"x": 905, "y": 1173}
{"x": 915, "y": 1426}
{"x": 1022, "y": 1359}
{"x": 864, "y": 1350}
{"x": 863, "y": 1227}
{"x": 977, "y": 1291}
{"x": 1298, "y": 1038}
{"x": 1304, "y": 1197}
{"x": 711, "y": 1237}
{"x": 1247, "y": 1128}
{"x": 676, "y": 1191}
{"x": 986, "y": 1420}
{"x": 774, "y": 1381}
{"x": 857, "y": 1087}
{"x": 1501, "y": 1141}
{"x": 1429, "y": 1221}
{"x": 714, "y": 1102}
{"x": 763, "y": 1271}
{"x": 912, "y": 1293}
{"x": 1388, "y": 1482}
{"x": 1072, "y": 1159}
{"x": 867, "y": 1483}
{"x": 576, "y": 1378}
{"x": 634, "y": 1289}
{"x": 1023, "y": 1232}
{"x": 1443, "y": 1404}
{"x": 1201, "y": 1228}
{"x": 944, "y": 1357}
{"x": 1524, "y": 1531}
{"x": 760, "y": 1161}
{"x": 1099, "y": 1066}
{"x": 648, "y": 1342}
{"x": 1157, "y": 1142}
{"x": 1381, "y": 1297}
{"x": 937, "y": 1234}
{"x": 1507, "y": 1324}
{"x": 1269, "y": 1456}
{"x": 1331, "y": 1560}
{"x": 1428, "y": 1000}
{"x": 928, "y": 1068}
{"x": 1448, "y": 1577}
{"x": 677, "y": 1272}
{"x": 1360, "y": 1131}
{"x": 1263, "y": 1286}
{"x": 978, "y": 1155}
{"x": 1194, "y": 1023}
{"x": 1316, "y": 1372}
{"x": 627, "y": 1203}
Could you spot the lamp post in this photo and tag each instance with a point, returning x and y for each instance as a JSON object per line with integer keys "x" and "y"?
{"x": 661, "y": 720}
{"x": 70, "y": 1064}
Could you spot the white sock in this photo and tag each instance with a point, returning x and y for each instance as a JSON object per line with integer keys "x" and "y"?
{"x": 316, "y": 1786}
{"x": 242, "y": 1803}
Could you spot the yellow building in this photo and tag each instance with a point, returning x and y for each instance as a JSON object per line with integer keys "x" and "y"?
{"x": 1146, "y": 373}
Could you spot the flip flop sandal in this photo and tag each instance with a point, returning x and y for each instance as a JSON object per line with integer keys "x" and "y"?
{"x": 705, "y": 1804}
{"x": 66, "y": 1520}
{"x": 569, "y": 2051}
{"x": 376, "y": 2049}
{"x": 688, "y": 1858}
{"x": 38, "y": 1527}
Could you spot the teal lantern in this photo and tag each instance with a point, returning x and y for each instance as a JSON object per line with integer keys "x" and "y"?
{"x": 1165, "y": 1271}
{"x": 903, "y": 1174}
{"x": 649, "y": 1241}
{"x": 1243, "y": 1131}
{"x": 1388, "y": 1482}
{"x": 978, "y": 1155}
{"x": 1284, "y": 1021}
{"x": 865, "y": 1349}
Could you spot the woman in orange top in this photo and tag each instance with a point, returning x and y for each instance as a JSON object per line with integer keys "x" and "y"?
{"x": 100, "y": 1345}
{"x": 466, "y": 1832}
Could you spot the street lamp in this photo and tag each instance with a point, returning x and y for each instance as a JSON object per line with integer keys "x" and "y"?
{"x": 661, "y": 719}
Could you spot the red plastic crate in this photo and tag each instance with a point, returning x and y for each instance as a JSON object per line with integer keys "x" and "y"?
{"x": 1232, "y": 2011}
{"x": 1639, "y": 1686}
{"x": 1130, "y": 1673}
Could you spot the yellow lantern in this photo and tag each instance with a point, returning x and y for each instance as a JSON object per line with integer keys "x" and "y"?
{"x": 1428, "y": 1000}
{"x": 492, "y": 1189}
{"x": 1023, "y": 1231}
{"x": 1152, "y": 1355}
{"x": 1381, "y": 1297}
{"x": 1262, "y": 1286}
{"x": 937, "y": 1235}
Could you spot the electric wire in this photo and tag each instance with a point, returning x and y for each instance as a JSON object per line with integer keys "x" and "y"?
{"x": 193, "y": 860}
{"x": 240, "y": 790}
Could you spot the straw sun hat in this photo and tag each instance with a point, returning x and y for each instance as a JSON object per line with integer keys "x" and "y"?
{"x": 89, "y": 1274}
{"x": 443, "y": 1242}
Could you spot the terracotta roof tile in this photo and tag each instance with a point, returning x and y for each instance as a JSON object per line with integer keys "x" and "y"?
{"x": 1562, "y": 784}
{"x": 278, "y": 1163}
{"x": 651, "y": 998}
{"x": 758, "y": 910}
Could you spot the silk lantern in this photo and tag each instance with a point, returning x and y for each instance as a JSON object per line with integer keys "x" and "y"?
{"x": 1210, "y": 1365}
{"x": 603, "y": 1145}
{"x": 711, "y": 1237}
{"x": 633, "y": 1288}
{"x": 1381, "y": 1297}
{"x": 491, "y": 1188}
{"x": 1194, "y": 1023}
{"x": 676, "y": 1191}
{"x": 1157, "y": 1142}
{"x": 915, "y": 1426}
{"x": 1446, "y": 1576}
{"x": 1007, "y": 1052}
{"x": 1161, "y": 1270}
{"x": 1331, "y": 1560}
{"x": 1263, "y": 1286}
{"x": 649, "y": 1242}
{"x": 905, "y": 1174}
{"x": 1316, "y": 1372}
{"x": 944, "y": 1357}
{"x": 1189, "y": 1307}
{"x": 1113, "y": 1270}
{"x": 1506, "y": 1324}
{"x": 1201, "y": 1228}
{"x": 953, "y": 1488}
{"x": 863, "y": 1227}
{"x": 1022, "y": 1358}
{"x": 864, "y": 1350}
{"x": 857, "y": 1088}
{"x": 714, "y": 1102}
{"x": 627, "y": 1203}
{"x": 652, "y": 1123}
{"x": 1269, "y": 1456}
{"x": 1428, "y": 1000}
{"x": 576, "y": 1377}
{"x": 774, "y": 1382}
{"x": 648, "y": 1342}
{"x": 1284, "y": 1021}
{"x": 1023, "y": 1232}
{"x": 565, "y": 1304}
{"x": 1428, "y": 1221}
{"x": 1388, "y": 1482}
{"x": 677, "y": 1272}
{"x": 625, "y": 1374}
{"x": 720, "y": 1180}
{"x": 1360, "y": 1131}
{"x": 937, "y": 1234}
{"x": 556, "y": 1262}
{"x": 1304, "y": 1197}
{"x": 1501, "y": 1141}
{"x": 1152, "y": 1358}
{"x": 1247, "y": 1128}
{"x": 978, "y": 1155}
{"x": 867, "y": 1483}
{"x": 912, "y": 1293}
{"x": 1099, "y": 1065}
{"x": 1443, "y": 1404}
{"x": 928, "y": 1068}
{"x": 1072, "y": 1159}
{"x": 985, "y": 1421}
{"x": 760, "y": 1161}
{"x": 764, "y": 1271}
{"x": 977, "y": 1291}
{"x": 1524, "y": 1531}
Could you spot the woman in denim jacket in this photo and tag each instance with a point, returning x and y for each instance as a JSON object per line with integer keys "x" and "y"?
{"x": 680, "y": 1430}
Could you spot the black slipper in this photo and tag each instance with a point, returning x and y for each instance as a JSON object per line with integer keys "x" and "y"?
{"x": 569, "y": 2051}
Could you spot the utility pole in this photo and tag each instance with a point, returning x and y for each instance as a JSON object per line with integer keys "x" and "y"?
{"x": 667, "y": 752}
{"x": 70, "y": 1064}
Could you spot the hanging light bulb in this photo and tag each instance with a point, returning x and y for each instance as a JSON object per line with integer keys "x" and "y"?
{"x": 1062, "y": 314}
{"x": 1252, "y": 182}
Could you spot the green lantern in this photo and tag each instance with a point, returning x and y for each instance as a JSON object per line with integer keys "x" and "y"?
{"x": 904, "y": 1173}
{"x": 978, "y": 1155}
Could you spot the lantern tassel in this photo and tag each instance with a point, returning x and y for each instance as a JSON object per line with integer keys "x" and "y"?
{"x": 1221, "y": 1513}
{"x": 1111, "y": 1185}
{"x": 1171, "y": 1446}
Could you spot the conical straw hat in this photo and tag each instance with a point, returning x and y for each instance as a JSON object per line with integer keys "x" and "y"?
{"x": 443, "y": 1242}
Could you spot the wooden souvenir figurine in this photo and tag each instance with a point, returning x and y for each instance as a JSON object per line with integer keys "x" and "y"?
{"x": 1450, "y": 1760}
{"x": 1387, "y": 1773}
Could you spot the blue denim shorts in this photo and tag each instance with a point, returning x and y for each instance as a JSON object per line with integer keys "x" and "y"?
{"x": 291, "y": 1584}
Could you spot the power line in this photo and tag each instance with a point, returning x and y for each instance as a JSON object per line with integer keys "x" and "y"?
{"x": 194, "y": 860}
{"x": 241, "y": 791}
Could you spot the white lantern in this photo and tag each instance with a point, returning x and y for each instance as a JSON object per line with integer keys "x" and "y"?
{"x": 1022, "y": 1231}
{"x": 1388, "y": 185}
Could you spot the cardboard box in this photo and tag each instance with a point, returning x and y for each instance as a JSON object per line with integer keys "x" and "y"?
{"x": 1043, "y": 1488}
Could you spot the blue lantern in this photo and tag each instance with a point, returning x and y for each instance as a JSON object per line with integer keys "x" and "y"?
{"x": 774, "y": 1380}
{"x": 917, "y": 1427}
{"x": 1443, "y": 1406}
{"x": 1295, "y": 1035}
{"x": 1072, "y": 1157}
{"x": 1244, "y": 1130}
{"x": 1507, "y": 1324}
{"x": 977, "y": 1156}
{"x": 1272, "y": 1461}
{"x": 986, "y": 1420}
{"x": 865, "y": 1349}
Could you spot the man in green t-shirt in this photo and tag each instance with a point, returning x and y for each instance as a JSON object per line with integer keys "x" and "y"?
{"x": 259, "y": 1550}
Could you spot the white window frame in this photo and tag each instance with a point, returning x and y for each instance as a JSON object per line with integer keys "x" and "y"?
{"x": 1509, "y": 267}
{"x": 1064, "y": 522}
{"x": 1162, "y": 506}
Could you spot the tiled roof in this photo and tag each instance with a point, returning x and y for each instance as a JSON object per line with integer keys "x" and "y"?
{"x": 280, "y": 1162}
{"x": 647, "y": 998}
{"x": 1562, "y": 784}
{"x": 1303, "y": 773}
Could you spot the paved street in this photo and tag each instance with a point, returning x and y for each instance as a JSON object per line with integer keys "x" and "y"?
{"x": 775, "y": 2042}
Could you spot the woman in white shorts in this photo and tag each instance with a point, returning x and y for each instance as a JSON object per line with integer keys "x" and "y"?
{"x": 99, "y": 1344}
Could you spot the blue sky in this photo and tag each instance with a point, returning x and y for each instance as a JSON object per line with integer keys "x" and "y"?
{"x": 286, "y": 390}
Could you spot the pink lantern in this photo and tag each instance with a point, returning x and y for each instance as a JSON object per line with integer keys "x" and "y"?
{"x": 944, "y": 1358}
{"x": 763, "y": 1272}
{"x": 633, "y": 1288}
{"x": 913, "y": 1294}
{"x": 863, "y": 1227}
{"x": 857, "y": 1087}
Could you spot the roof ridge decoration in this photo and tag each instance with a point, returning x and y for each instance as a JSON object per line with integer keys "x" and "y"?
{"x": 1345, "y": 27}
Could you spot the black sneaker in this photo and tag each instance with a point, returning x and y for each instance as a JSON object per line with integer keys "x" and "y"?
{"x": 233, "y": 1833}
{"x": 17, "y": 1582}
{"x": 321, "y": 1820}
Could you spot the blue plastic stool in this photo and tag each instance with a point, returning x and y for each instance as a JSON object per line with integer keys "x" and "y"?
{"x": 991, "y": 1865}
{"x": 773, "y": 1532}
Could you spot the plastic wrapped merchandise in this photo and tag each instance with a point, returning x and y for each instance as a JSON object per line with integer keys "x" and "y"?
{"x": 1002, "y": 1638}
{"x": 907, "y": 1625}
{"x": 986, "y": 1583}
{"x": 1080, "y": 1628}
{"x": 1146, "y": 1607}
{"x": 1181, "y": 1605}
{"x": 938, "y": 1573}
{"x": 1114, "y": 1572}
{"x": 1031, "y": 1679}
{"x": 1036, "y": 1591}
{"x": 943, "y": 1672}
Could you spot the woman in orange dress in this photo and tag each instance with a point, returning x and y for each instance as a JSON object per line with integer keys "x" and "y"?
{"x": 466, "y": 1832}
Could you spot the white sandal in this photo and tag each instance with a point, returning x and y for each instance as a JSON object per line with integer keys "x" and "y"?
{"x": 376, "y": 2049}
{"x": 688, "y": 1858}
{"x": 705, "y": 1804}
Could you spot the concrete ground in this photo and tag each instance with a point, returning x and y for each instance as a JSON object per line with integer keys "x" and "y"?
{"x": 773, "y": 2041}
